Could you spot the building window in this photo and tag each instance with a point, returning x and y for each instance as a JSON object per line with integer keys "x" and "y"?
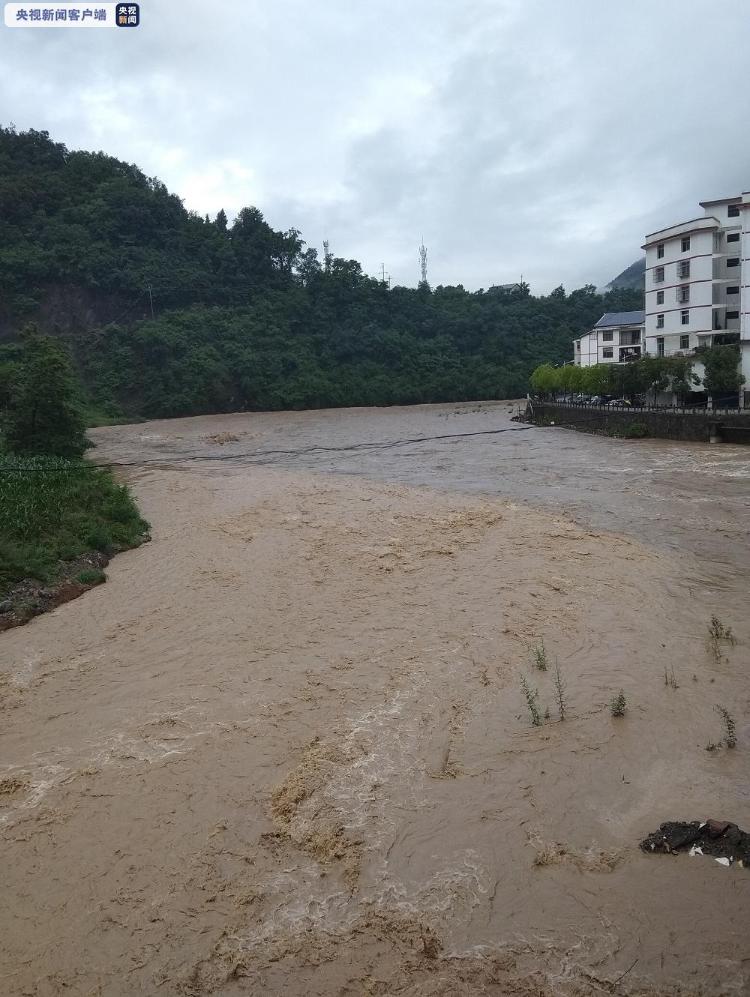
{"x": 607, "y": 352}
{"x": 734, "y": 262}
{"x": 660, "y": 251}
{"x": 659, "y": 321}
{"x": 685, "y": 317}
{"x": 733, "y": 237}
{"x": 606, "y": 337}
{"x": 660, "y": 345}
{"x": 734, "y": 289}
{"x": 733, "y": 211}
{"x": 686, "y": 244}
{"x": 731, "y": 315}
{"x": 683, "y": 270}
{"x": 658, "y": 275}
{"x": 683, "y": 294}
{"x": 578, "y": 344}
{"x": 684, "y": 342}
{"x": 660, "y": 297}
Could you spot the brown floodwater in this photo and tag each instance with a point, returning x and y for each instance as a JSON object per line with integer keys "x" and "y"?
{"x": 284, "y": 750}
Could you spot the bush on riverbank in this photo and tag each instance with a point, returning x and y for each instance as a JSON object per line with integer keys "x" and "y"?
{"x": 55, "y": 510}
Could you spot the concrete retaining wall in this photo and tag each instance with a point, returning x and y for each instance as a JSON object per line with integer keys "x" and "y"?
{"x": 700, "y": 426}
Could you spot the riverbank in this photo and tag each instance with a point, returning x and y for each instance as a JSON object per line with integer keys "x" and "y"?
{"x": 704, "y": 426}
{"x": 285, "y": 748}
{"x": 62, "y": 521}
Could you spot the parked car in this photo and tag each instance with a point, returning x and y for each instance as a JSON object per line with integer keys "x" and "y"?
{"x": 619, "y": 403}
{"x": 598, "y": 400}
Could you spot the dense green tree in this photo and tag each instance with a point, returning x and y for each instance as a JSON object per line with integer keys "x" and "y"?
{"x": 596, "y": 379}
{"x": 545, "y": 379}
{"x": 44, "y": 414}
{"x": 681, "y": 377}
{"x": 722, "y": 374}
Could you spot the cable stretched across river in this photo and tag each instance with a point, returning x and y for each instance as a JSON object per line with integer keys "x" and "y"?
{"x": 256, "y": 456}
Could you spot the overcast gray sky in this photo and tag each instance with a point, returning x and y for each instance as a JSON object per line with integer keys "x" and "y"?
{"x": 534, "y": 137}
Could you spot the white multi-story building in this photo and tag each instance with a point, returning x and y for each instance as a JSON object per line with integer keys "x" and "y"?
{"x": 698, "y": 283}
{"x": 616, "y": 338}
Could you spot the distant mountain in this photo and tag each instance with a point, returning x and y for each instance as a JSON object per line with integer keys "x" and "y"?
{"x": 631, "y": 278}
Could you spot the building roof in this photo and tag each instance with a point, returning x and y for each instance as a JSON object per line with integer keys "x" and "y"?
{"x": 721, "y": 200}
{"x": 704, "y": 222}
{"x": 620, "y": 318}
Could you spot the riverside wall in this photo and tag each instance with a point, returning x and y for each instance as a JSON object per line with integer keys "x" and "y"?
{"x": 702, "y": 427}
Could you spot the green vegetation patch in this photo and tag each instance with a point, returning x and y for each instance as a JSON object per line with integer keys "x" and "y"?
{"x": 91, "y": 576}
{"x": 635, "y": 431}
{"x": 53, "y": 509}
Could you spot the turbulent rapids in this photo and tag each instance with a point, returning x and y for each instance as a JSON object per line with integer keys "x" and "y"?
{"x": 285, "y": 750}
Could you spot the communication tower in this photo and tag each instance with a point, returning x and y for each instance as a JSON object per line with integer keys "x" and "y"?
{"x": 423, "y": 261}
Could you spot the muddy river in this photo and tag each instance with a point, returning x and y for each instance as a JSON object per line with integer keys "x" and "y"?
{"x": 285, "y": 749}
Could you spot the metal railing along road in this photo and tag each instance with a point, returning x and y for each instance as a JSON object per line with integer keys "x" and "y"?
{"x": 676, "y": 409}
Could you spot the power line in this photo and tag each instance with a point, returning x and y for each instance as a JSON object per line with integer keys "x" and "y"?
{"x": 259, "y": 454}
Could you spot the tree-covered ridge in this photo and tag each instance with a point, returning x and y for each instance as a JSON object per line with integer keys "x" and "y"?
{"x": 89, "y": 219}
{"x": 246, "y": 317}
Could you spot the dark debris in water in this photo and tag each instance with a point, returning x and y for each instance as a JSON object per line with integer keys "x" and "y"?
{"x": 717, "y": 838}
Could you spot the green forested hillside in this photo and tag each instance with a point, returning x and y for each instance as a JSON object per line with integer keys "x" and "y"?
{"x": 245, "y": 317}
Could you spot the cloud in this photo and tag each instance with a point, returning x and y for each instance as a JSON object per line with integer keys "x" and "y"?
{"x": 516, "y": 136}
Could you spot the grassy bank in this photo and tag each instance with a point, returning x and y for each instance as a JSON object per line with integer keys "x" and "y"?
{"x": 54, "y": 512}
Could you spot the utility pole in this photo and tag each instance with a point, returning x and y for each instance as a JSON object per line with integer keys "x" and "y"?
{"x": 326, "y": 256}
{"x": 151, "y": 300}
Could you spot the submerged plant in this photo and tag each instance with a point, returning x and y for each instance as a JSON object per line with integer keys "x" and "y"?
{"x": 540, "y": 656}
{"x": 532, "y": 702}
{"x": 730, "y": 730}
{"x": 618, "y": 705}
{"x": 560, "y": 692}
{"x": 718, "y": 634}
{"x": 669, "y": 678}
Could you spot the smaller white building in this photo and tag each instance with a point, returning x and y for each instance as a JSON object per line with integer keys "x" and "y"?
{"x": 616, "y": 338}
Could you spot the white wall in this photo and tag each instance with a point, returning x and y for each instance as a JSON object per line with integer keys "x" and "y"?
{"x": 708, "y": 281}
{"x": 593, "y": 345}
{"x": 587, "y": 356}
{"x": 700, "y": 283}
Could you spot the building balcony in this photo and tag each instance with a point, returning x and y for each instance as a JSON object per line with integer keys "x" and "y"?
{"x": 629, "y": 353}
{"x": 719, "y": 338}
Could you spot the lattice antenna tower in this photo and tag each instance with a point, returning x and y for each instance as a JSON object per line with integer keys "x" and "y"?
{"x": 423, "y": 261}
